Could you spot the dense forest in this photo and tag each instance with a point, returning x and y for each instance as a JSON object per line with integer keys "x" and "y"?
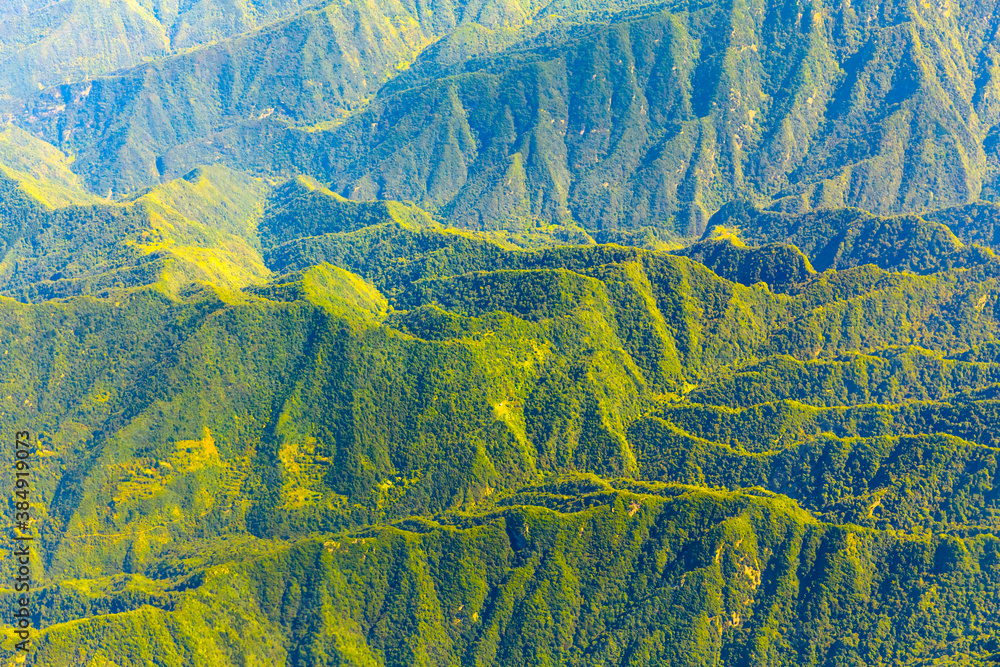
{"x": 462, "y": 332}
{"x": 277, "y": 426}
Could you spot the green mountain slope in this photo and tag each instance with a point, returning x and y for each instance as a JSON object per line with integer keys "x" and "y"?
{"x": 311, "y": 430}
{"x": 607, "y": 325}
{"x": 844, "y": 238}
{"x": 630, "y": 116}
{"x": 50, "y": 43}
{"x": 332, "y": 328}
{"x": 781, "y": 266}
{"x": 201, "y": 227}
{"x": 571, "y": 572}
{"x": 973, "y": 223}
{"x": 312, "y": 68}
{"x": 44, "y": 172}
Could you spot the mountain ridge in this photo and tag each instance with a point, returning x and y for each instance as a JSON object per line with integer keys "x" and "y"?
{"x": 766, "y": 147}
{"x": 503, "y": 333}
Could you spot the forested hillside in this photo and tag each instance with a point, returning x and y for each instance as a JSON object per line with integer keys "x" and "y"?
{"x": 47, "y": 43}
{"x": 503, "y": 114}
{"x": 495, "y": 332}
{"x": 276, "y": 426}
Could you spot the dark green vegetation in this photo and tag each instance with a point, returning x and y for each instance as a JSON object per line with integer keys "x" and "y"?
{"x": 569, "y": 572}
{"x": 277, "y": 426}
{"x": 503, "y": 333}
{"x": 846, "y": 238}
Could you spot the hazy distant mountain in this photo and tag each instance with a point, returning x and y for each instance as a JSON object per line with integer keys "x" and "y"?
{"x": 48, "y": 42}
{"x": 643, "y": 115}
{"x": 483, "y": 332}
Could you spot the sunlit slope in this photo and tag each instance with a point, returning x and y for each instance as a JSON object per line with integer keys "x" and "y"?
{"x": 278, "y": 426}
{"x": 199, "y": 228}
{"x": 302, "y": 207}
{"x": 44, "y": 172}
{"x": 339, "y": 397}
{"x": 575, "y": 571}
{"x": 211, "y": 225}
